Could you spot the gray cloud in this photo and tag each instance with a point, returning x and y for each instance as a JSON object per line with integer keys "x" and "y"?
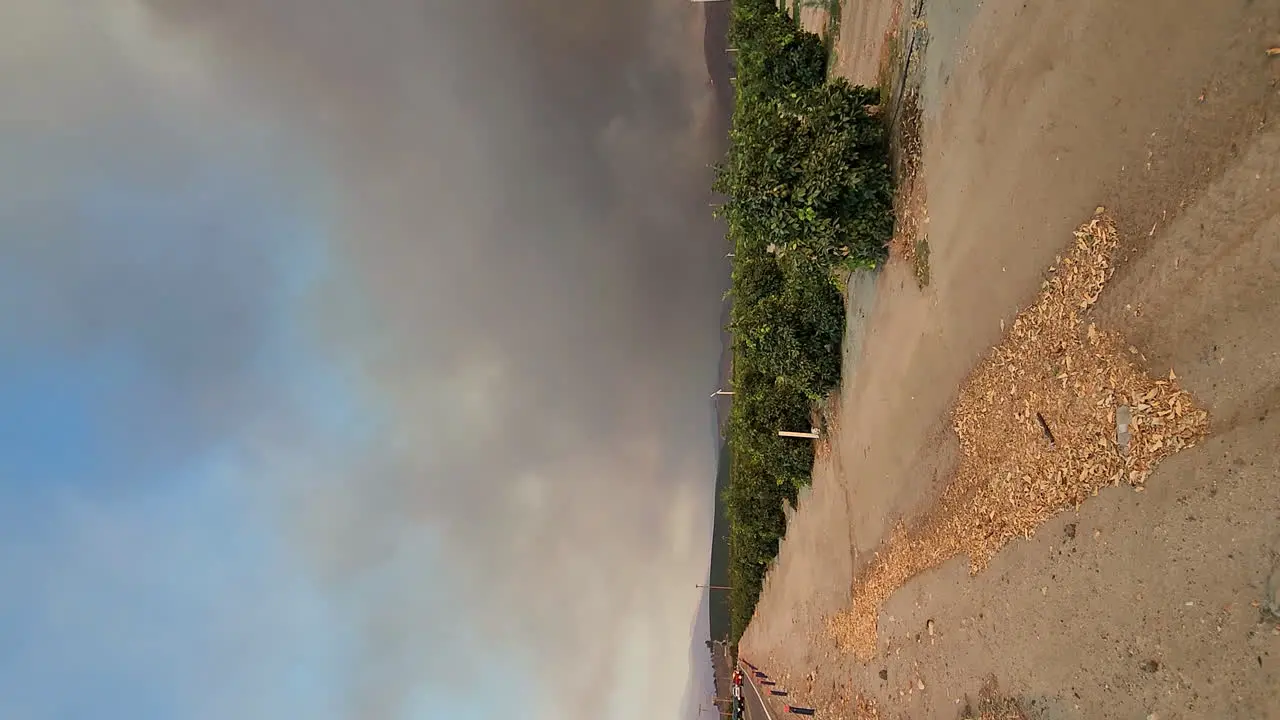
{"x": 521, "y": 193}
{"x": 124, "y": 248}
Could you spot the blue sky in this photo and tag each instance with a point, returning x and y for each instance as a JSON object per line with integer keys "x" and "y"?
{"x": 299, "y": 405}
{"x": 144, "y": 577}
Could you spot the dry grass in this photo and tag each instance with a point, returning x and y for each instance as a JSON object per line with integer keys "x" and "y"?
{"x": 865, "y": 709}
{"x": 859, "y": 707}
{"x": 910, "y": 232}
{"x": 998, "y": 711}
{"x": 910, "y": 240}
{"x": 827, "y": 419}
{"x": 890, "y": 59}
{"x": 1011, "y": 477}
{"x": 993, "y": 706}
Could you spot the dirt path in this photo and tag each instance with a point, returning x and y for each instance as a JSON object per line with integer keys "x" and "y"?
{"x": 1035, "y": 113}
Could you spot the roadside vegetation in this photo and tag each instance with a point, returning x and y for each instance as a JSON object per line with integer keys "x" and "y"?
{"x": 809, "y": 197}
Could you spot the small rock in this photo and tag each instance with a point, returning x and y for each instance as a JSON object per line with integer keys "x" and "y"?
{"x": 1124, "y": 417}
{"x": 929, "y": 626}
{"x": 919, "y": 684}
{"x": 1070, "y": 531}
{"x": 884, "y": 674}
{"x": 1273, "y": 592}
{"x": 1151, "y": 666}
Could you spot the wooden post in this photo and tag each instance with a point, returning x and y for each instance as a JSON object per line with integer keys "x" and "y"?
{"x": 810, "y": 435}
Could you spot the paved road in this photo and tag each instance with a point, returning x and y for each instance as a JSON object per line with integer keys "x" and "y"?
{"x": 753, "y": 697}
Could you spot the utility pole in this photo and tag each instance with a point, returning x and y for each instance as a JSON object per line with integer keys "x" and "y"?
{"x": 721, "y": 392}
{"x": 715, "y": 587}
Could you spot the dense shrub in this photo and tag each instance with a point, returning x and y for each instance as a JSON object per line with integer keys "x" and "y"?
{"x": 808, "y": 193}
{"x": 800, "y": 64}
{"x": 808, "y": 180}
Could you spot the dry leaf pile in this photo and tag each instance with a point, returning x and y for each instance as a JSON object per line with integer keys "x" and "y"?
{"x": 1051, "y": 371}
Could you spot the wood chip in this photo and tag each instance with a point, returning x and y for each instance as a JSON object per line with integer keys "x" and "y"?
{"x": 1009, "y": 480}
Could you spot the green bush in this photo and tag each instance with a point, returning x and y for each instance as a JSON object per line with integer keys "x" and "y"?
{"x": 809, "y": 193}
{"x": 801, "y": 64}
{"x": 808, "y": 179}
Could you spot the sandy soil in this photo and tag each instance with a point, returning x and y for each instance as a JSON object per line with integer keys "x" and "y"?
{"x": 814, "y": 18}
{"x": 863, "y": 26}
{"x": 861, "y": 34}
{"x": 1140, "y": 604}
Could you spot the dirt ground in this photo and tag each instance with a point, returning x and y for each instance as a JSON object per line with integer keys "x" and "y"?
{"x": 861, "y": 35}
{"x": 1140, "y": 605}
